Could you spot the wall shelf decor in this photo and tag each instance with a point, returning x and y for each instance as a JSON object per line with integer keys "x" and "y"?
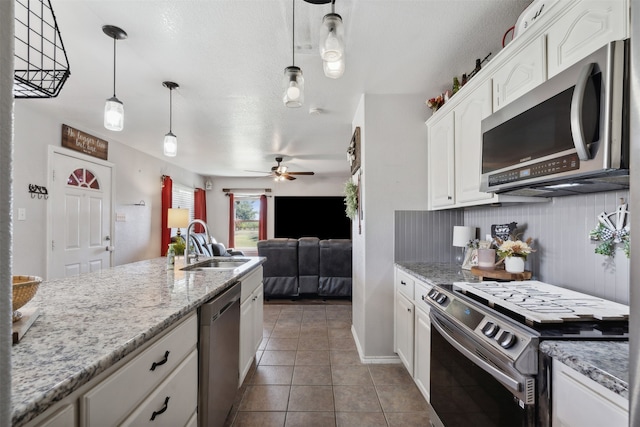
{"x": 353, "y": 152}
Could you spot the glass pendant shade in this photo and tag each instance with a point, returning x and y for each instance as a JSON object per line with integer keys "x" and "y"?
{"x": 293, "y": 87}
{"x": 114, "y": 114}
{"x": 331, "y": 38}
{"x": 335, "y": 69}
{"x": 170, "y": 145}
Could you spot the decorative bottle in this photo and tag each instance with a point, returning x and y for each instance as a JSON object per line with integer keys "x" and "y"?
{"x": 171, "y": 257}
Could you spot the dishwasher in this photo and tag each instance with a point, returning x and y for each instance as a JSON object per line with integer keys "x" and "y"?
{"x": 219, "y": 356}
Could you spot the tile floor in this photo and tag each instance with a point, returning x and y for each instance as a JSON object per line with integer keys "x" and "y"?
{"x": 309, "y": 374}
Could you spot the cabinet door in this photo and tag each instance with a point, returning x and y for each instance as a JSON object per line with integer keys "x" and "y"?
{"x": 63, "y": 417}
{"x": 422, "y": 342}
{"x": 524, "y": 71}
{"x": 468, "y": 144}
{"x": 258, "y": 314}
{"x": 246, "y": 337}
{"x": 441, "y": 163}
{"x": 404, "y": 331}
{"x": 584, "y": 29}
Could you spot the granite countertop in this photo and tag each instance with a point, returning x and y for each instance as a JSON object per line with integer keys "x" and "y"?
{"x": 90, "y": 322}
{"x": 605, "y": 362}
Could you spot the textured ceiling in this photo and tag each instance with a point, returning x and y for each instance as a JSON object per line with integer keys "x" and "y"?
{"x": 228, "y": 57}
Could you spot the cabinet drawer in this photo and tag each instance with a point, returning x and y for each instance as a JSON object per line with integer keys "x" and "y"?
{"x": 250, "y": 283}
{"x": 174, "y": 401}
{"x": 115, "y": 397}
{"x": 404, "y": 284}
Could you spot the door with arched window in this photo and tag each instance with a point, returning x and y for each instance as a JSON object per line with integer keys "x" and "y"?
{"x": 80, "y": 216}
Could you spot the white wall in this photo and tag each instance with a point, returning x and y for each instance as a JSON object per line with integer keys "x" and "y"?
{"x": 218, "y": 202}
{"x": 137, "y": 177}
{"x": 394, "y": 155}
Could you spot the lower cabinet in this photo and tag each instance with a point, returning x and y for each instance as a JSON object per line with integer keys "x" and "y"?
{"x": 63, "y": 417}
{"x": 578, "y": 401}
{"x": 251, "y": 317}
{"x": 404, "y": 330}
{"x": 422, "y": 341}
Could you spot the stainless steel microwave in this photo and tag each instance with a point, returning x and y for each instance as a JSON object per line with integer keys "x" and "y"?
{"x": 567, "y": 136}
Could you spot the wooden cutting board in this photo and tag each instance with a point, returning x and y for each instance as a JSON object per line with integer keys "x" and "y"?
{"x": 20, "y": 327}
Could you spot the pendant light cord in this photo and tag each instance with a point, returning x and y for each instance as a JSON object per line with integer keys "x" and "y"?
{"x": 170, "y": 109}
{"x": 114, "y": 67}
{"x": 293, "y": 33}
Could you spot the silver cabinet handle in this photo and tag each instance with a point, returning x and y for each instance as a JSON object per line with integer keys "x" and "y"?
{"x": 577, "y": 131}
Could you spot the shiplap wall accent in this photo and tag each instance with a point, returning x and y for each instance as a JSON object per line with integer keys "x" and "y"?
{"x": 565, "y": 256}
{"x": 426, "y": 236}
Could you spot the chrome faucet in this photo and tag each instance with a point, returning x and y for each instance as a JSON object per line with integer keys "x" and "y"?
{"x": 188, "y": 255}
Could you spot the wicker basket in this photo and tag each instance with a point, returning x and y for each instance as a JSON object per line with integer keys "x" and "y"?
{"x": 24, "y": 288}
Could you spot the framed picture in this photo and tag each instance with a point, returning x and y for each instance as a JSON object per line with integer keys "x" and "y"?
{"x": 353, "y": 153}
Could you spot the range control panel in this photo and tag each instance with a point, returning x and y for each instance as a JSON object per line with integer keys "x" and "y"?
{"x": 548, "y": 167}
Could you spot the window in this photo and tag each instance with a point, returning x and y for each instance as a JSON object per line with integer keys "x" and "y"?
{"x": 83, "y": 178}
{"x": 182, "y": 197}
{"x": 247, "y": 214}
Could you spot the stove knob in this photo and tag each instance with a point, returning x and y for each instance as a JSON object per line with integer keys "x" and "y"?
{"x": 507, "y": 339}
{"x": 432, "y": 294}
{"x": 490, "y": 329}
{"x": 441, "y": 298}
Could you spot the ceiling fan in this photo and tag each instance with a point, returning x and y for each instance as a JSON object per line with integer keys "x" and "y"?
{"x": 280, "y": 172}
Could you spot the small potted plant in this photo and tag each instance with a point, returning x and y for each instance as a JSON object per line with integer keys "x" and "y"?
{"x": 514, "y": 252}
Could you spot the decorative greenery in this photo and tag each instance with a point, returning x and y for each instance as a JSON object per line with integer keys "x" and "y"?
{"x": 514, "y": 248}
{"x": 609, "y": 238}
{"x": 179, "y": 245}
{"x": 473, "y": 244}
{"x": 351, "y": 199}
{"x": 435, "y": 103}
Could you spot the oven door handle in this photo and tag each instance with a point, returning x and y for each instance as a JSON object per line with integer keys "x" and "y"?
{"x": 506, "y": 380}
{"x": 577, "y": 100}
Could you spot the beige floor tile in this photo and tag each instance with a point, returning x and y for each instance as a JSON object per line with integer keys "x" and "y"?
{"x": 313, "y": 342}
{"x": 310, "y": 419}
{"x": 313, "y": 329}
{"x": 265, "y": 398}
{"x": 390, "y": 374}
{"x": 259, "y": 419}
{"x": 342, "y": 344}
{"x": 272, "y": 375}
{"x": 401, "y": 398}
{"x": 340, "y": 334}
{"x": 285, "y": 331}
{"x": 313, "y": 321}
{"x": 311, "y": 375}
{"x": 345, "y": 357}
{"x": 408, "y": 419}
{"x": 338, "y": 324}
{"x": 282, "y": 344}
{"x": 356, "y": 398}
{"x": 278, "y": 357}
{"x": 312, "y": 357}
{"x": 350, "y": 375}
{"x": 361, "y": 419}
{"x": 304, "y": 398}
{"x": 316, "y": 315}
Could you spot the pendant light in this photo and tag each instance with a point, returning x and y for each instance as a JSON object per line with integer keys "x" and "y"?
{"x": 293, "y": 81}
{"x": 331, "y": 44}
{"x": 114, "y": 108}
{"x": 170, "y": 140}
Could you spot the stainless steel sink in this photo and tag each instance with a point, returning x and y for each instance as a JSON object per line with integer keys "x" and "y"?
{"x": 217, "y": 264}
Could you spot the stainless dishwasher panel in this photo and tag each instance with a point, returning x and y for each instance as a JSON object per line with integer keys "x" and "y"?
{"x": 219, "y": 354}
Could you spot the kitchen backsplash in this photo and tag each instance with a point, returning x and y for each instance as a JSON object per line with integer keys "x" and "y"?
{"x": 560, "y": 228}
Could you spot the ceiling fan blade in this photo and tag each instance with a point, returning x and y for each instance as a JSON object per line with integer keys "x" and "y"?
{"x": 300, "y": 173}
{"x": 269, "y": 173}
{"x": 287, "y": 176}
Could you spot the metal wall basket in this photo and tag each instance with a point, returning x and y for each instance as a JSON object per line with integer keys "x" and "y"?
{"x": 41, "y": 64}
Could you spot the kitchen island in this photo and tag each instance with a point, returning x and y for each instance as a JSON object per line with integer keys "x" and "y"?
{"x": 90, "y": 322}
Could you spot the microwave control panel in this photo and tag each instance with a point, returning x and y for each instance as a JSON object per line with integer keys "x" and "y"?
{"x": 547, "y": 167}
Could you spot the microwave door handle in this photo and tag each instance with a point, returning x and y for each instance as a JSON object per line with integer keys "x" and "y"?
{"x": 577, "y": 131}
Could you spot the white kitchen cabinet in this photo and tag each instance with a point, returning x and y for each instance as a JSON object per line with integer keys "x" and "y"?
{"x": 404, "y": 331}
{"x": 578, "y": 401}
{"x": 422, "y": 340}
{"x": 583, "y": 29}
{"x": 468, "y": 117}
{"x": 525, "y": 70}
{"x": 441, "y": 162}
{"x": 65, "y": 416}
{"x": 112, "y": 400}
{"x": 251, "y": 317}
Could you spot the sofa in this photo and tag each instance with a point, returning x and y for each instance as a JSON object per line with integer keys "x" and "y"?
{"x": 306, "y": 266}
{"x": 202, "y": 246}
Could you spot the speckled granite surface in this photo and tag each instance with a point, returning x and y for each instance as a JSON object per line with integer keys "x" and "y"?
{"x": 90, "y": 322}
{"x": 605, "y": 362}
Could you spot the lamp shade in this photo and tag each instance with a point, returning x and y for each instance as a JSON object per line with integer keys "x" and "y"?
{"x": 170, "y": 145}
{"x": 335, "y": 69}
{"x": 177, "y": 218}
{"x": 293, "y": 87}
{"x": 331, "y": 37}
{"x": 114, "y": 114}
{"x": 462, "y": 234}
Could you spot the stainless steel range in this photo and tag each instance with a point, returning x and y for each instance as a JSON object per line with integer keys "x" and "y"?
{"x": 485, "y": 366}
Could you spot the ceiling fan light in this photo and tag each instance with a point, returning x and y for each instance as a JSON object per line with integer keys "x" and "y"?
{"x": 114, "y": 114}
{"x": 293, "y": 87}
{"x": 333, "y": 70}
{"x": 331, "y": 37}
{"x": 170, "y": 145}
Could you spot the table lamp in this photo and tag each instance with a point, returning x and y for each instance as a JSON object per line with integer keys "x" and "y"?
{"x": 461, "y": 236}
{"x": 177, "y": 218}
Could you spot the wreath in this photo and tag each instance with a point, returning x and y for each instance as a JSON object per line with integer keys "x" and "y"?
{"x": 609, "y": 234}
{"x": 351, "y": 199}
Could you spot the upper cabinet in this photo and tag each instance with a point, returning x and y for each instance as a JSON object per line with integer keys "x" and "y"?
{"x": 441, "y": 163}
{"x": 584, "y": 29}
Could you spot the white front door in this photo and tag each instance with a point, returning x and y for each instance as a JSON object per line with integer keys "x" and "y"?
{"x": 80, "y": 216}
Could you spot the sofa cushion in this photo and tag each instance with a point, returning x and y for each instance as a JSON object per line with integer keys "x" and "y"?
{"x": 280, "y": 270}
{"x": 335, "y": 269}
{"x": 308, "y": 264}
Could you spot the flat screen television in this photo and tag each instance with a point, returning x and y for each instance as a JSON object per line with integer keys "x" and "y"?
{"x": 323, "y": 217}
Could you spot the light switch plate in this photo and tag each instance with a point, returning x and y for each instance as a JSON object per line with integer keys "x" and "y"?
{"x": 22, "y": 214}
{"x": 120, "y": 217}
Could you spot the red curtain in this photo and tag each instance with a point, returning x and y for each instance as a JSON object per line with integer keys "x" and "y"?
{"x": 262, "y": 222}
{"x": 199, "y": 208}
{"x": 232, "y": 221}
{"x": 165, "y": 232}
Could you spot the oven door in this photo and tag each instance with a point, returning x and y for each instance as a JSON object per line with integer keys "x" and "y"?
{"x": 471, "y": 386}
